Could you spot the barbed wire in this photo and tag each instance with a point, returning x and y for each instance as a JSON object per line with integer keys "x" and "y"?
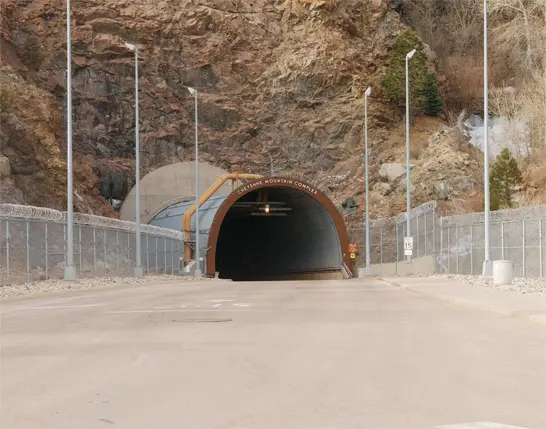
{"x": 15, "y": 211}
{"x": 508, "y": 215}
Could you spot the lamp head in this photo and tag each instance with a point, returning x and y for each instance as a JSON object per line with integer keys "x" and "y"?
{"x": 368, "y": 91}
{"x": 411, "y": 54}
{"x": 130, "y": 46}
{"x": 193, "y": 91}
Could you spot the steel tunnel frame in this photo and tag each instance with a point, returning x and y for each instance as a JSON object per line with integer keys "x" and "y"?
{"x": 277, "y": 182}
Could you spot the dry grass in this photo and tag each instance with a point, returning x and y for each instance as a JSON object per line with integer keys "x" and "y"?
{"x": 472, "y": 204}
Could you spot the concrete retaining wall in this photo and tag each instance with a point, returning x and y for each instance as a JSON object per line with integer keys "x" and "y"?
{"x": 423, "y": 265}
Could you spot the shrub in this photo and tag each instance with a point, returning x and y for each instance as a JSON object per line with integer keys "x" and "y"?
{"x": 431, "y": 100}
{"x": 505, "y": 177}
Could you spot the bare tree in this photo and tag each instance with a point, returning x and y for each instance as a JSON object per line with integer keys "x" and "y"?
{"x": 518, "y": 28}
{"x": 450, "y": 26}
{"x": 423, "y": 16}
{"x": 463, "y": 23}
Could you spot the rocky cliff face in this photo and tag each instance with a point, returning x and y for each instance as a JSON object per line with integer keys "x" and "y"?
{"x": 280, "y": 86}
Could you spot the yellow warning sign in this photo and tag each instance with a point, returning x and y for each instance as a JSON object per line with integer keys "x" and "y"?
{"x": 353, "y": 255}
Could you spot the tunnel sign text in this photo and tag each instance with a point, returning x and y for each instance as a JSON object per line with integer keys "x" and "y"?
{"x": 280, "y": 181}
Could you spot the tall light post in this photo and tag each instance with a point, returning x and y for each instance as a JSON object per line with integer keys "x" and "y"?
{"x": 366, "y": 95}
{"x": 69, "y": 269}
{"x": 408, "y": 182}
{"x": 487, "y": 269}
{"x": 139, "y": 272}
{"x": 197, "y": 272}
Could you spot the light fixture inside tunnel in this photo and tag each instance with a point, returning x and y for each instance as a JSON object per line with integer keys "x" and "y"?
{"x": 266, "y": 208}
{"x": 268, "y": 214}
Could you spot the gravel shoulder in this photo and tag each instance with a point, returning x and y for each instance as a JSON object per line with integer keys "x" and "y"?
{"x": 524, "y": 286}
{"x": 49, "y": 286}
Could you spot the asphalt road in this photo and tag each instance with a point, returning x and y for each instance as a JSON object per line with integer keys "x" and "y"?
{"x": 332, "y": 354}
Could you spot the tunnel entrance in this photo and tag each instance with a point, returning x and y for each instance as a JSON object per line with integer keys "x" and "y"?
{"x": 277, "y": 229}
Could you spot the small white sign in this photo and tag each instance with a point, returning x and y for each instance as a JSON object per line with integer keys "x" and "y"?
{"x": 408, "y": 252}
{"x": 408, "y": 243}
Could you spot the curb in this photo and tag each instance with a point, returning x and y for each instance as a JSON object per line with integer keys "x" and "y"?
{"x": 62, "y": 293}
{"x": 473, "y": 305}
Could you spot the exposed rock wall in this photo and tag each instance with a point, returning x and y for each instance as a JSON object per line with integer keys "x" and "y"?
{"x": 280, "y": 85}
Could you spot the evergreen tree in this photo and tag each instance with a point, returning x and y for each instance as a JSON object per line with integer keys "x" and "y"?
{"x": 504, "y": 178}
{"x": 394, "y": 81}
{"x": 431, "y": 100}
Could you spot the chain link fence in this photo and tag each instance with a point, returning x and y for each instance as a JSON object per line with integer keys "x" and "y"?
{"x": 387, "y": 236}
{"x": 33, "y": 246}
{"x": 516, "y": 235}
{"x": 458, "y": 242}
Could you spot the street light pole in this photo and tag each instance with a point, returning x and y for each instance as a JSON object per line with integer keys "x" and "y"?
{"x": 487, "y": 269}
{"x": 368, "y": 264}
{"x": 69, "y": 269}
{"x": 138, "y": 272}
{"x": 197, "y": 272}
{"x": 408, "y": 182}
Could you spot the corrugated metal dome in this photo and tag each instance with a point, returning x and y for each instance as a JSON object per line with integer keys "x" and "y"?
{"x": 171, "y": 217}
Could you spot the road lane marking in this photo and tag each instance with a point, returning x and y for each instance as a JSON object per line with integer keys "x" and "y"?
{"x": 186, "y": 310}
{"x": 58, "y": 307}
{"x": 479, "y": 425}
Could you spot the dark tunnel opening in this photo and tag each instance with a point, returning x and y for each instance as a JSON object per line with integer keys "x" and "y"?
{"x": 277, "y": 233}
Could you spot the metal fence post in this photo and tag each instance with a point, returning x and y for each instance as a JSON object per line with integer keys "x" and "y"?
{"x": 156, "y": 248}
{"x": 1, "y": 248}
{"x": 117, "y": 251}
{"x": 381, "y": 246}
{"x": 165, "y": 255}
{"x": 28, "y": 252}
{"x": 426, "y": 231}
{"x": 449, "y": 249}
{"x": 147, "y": 254}
{"x": 434, "y": 220}
{"x": 457, "y": 238}
{"x": 523, "y": 272}
{"x": 105, "y": 263}
{"x": 397, "y": 247}
{"x": 471, "y": 249}
{"x": 129, "y": 252}
{"x": 80, "y": 246}
{"x": 417, "y": 235}
{"x": 94, "y": 251}
{"x": 541, "y": 264}
{"x": 442, "y": 265}
{"x": 502, "y": 240}
{"x": 7, "y": 250}
{"x": 46, "y": 252}
{"x": 64, "y": 243}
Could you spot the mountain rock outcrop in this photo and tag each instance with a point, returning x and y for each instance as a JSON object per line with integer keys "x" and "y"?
{"x": 280, "y": 83}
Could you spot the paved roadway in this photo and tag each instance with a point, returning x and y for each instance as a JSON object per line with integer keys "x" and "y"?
{"x": 333, "y": 354}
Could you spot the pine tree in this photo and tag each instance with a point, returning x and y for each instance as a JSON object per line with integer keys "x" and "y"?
{"x": 431, "y": 100}
{"x": 504, "y": 178}
{"x": 394, "y": 80}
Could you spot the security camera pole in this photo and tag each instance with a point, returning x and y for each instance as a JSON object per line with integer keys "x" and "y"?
{"x": 139, "y": 272}
{"x": 408, "y": 183}
{"x": 70, "y": 272}
{"x": 197, "y": 272}
{"x": 487, "y": 269}
{"x": 368, "y": 264}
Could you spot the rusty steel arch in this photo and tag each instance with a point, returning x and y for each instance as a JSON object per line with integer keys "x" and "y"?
{"x": 277, "y": 182}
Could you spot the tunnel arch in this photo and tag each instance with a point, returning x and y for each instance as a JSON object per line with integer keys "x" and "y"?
{"x": 320, "y": 229}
